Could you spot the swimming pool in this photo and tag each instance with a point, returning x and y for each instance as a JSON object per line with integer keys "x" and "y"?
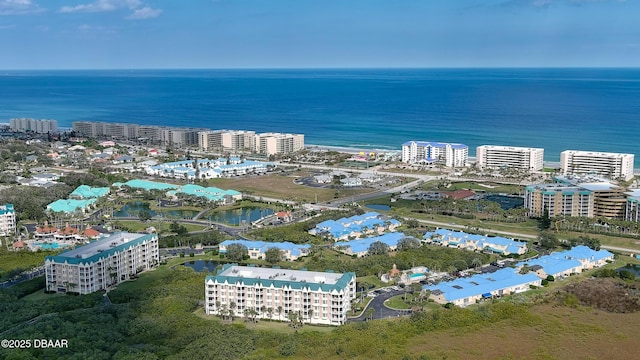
{"x": 50, "y": 245}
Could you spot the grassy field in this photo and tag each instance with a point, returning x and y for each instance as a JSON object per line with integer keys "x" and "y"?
{"x": 555, "y": 333}
{"x": 266, "y": 325}
{"x": 161, "y": 227}
{"x": 488, "y": 187}
{"x": 283, "y": 187}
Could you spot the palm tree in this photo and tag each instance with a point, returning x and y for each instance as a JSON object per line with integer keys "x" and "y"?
{"x": 279, "y": 312}
{"x": 270, "y": 312}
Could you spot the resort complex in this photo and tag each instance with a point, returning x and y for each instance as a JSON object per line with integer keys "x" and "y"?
{"x": 492, "y": 156}
{"x": 471, "y": 290}
{"x": 430, "y": 152}
{"x": 611, "y": 165}
{"x": 101, "y": 264}
{"x": 175, "y": 191}
{"x": 199, "y": 169}
{"x": 281, "y": 294}
{"x": 81, "y": 200}
{"x": 473, "y": 242}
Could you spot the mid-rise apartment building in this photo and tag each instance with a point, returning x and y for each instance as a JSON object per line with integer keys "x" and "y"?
{"x": 42, "y": 126}
{"x": 101, "y": 264}
{"x": 492, "y": 156}
{"x": 315, "y": 297}
{"x": 227, "y": 140}
{"x": 559, "y": 200}
{"x": 7, "y": 220}
{"x": 588, "y": 197}
{"x": 431, "y": 152}
{"x": 612, "y": 165}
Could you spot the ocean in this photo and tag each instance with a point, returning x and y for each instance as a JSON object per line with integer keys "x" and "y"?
{"x": 556, "y": 109}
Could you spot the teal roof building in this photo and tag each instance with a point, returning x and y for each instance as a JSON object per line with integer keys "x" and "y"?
{"x": 310, "y": 296}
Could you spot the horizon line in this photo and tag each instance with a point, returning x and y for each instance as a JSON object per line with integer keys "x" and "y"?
{"x": 334, "y": 68}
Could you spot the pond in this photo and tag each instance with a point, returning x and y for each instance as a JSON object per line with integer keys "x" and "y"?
{"x": 239, "y": 216}
{"x": 633, "y": 268}
{"x": 202, "y": 265}
{"x": 506, "y": 202}
{"x": 378, "y": 207}
{"x": 132, "y": 209}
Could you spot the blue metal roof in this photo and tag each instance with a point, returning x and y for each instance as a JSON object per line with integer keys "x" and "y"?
{"x": 362, "y": 245}
{"x": 482, "y": 284}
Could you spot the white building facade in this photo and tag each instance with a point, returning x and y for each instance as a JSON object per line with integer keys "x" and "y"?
{"x": 427, "y": 152}
{"x": 101, "y": 264}
{"x": 37, "y": 126}
{"x": 314, "y": 297}
{"x": 493, "y": 156}
{"x": 611, "y": 165}
{"x": 7, "y": 220}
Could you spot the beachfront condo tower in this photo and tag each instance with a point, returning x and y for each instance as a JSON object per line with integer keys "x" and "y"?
{"x": 494, "y": 157}
{"x": 431, "y": 152}
{"x": 611, "y": 165}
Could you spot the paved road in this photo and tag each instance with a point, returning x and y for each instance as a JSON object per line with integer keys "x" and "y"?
{"x": 380, "y": 310}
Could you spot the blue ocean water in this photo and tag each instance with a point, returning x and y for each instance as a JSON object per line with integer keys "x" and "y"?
{"x": 557, "y": 109}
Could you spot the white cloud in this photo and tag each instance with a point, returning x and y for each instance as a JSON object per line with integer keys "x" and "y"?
{"x": 102, "y": 6}
{"x": 5, "y": 27}
{"x": 144, "y": 13}
{"x": 17, "y": 7}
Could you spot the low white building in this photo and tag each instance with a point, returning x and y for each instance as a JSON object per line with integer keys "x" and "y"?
{"x": 101, "y": 264}
{"x": 315, "y": 297}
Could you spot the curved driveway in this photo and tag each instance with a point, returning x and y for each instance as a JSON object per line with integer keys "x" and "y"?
{"x": 380, "y": 310}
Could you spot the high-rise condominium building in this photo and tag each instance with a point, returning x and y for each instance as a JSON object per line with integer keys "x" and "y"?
{"x": 430, "y": 152}
{"x": 101, "y": 264}
{"x": 43, "y": 126}
{"x": 227, "y": 140}
{"x": 611, "y": 165}
{"x": 278, "y": 143}
{"x": 314, "y": 297}
{"x": 492, "y": 156}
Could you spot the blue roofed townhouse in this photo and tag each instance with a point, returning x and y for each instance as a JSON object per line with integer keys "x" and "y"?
{"x": 257, "y": 249}
{"x": 101, "y": 264}
{"x": 565, "y": 263}
{"x": 466, "y": 291}
{"x": 273, "y": 293}
{"x": 360, "y": 247}
{"x": 474, "y": 242}
{"x": 368, "y": 224}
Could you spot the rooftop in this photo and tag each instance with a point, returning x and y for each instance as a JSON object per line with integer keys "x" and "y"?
{"x": 101, "y": 248}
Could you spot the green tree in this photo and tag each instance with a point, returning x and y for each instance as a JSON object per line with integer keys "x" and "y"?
{"x": 144, "y": 216}
{"x": 236, "y": 252}
{"x": 408, "y": 243}
{"x": 547, "y": 240}
{"x": 378, "y": 248}
{"x": 273, "y": 255}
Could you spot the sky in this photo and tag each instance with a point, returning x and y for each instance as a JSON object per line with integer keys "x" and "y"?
{"x": 132, "y": 34}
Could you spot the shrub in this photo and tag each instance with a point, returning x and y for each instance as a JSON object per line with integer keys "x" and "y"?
{"x": 545, "y": 282}
{"x": 550, "y": 278}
